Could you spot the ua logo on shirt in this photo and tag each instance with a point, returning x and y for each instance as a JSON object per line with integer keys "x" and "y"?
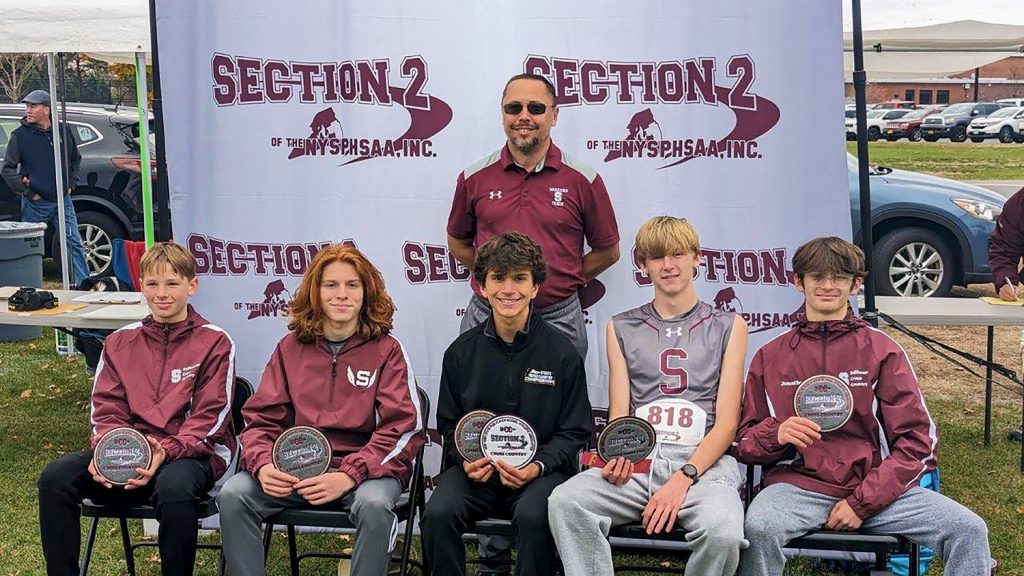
{"x": 361, "y": 378}
{"x": 494, "y": 194}
{"x": 670, "y": 332}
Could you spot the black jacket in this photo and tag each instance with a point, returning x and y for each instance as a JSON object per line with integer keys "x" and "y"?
{"x": 30, "y": 153}
{"x": 481, "y": 372}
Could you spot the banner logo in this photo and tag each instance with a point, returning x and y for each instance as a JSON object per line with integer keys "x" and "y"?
{"x": 667, "y": 83}
{"x": 243, "y": 80}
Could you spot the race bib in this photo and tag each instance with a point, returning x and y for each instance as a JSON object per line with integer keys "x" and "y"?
{"x": 675, "y": 421}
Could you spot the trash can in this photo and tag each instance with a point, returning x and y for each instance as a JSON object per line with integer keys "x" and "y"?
{"x": 21, "y": 264}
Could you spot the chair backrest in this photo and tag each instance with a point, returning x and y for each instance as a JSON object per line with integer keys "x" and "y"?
{"x": 243, "y": 390}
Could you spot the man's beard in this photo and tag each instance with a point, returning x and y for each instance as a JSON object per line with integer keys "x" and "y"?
{"x": 527, "y": 146}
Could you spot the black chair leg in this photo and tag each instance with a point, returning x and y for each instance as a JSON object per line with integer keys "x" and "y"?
{"x": 403, "y": 566}
{"x": 267, "y": 535}
{"x": 90, "y": 540}
{"x": 915, "y": 559}
{"x": 293, "y": 552}
{"x": 129, "y": 554}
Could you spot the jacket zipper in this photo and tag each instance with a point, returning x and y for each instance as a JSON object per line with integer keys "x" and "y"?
{"x": 163, "y": 365}
{"x": 334, "y": 374}
{"x": 824, "y": 347}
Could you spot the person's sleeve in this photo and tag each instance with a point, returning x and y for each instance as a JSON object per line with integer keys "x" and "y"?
{"x": 109, "y": 400}
{"x": 570, "y": 437}
{"x": 757, "y": 437}
{"x": 1007, "y": 242}
{"x": 462, "y": 218}
{"x": 74, "y": 159}
{"x": 12, "y": 159}
{"x": 449, "y": 408}
{"x": 400, "y": 426}
{"x": 207, "y": 429}
{"x": 910, "y": 432}
{"x": 267, "y": 413}
{"x": 599, "y": 225}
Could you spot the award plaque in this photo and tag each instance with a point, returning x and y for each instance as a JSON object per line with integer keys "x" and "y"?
{"x": 119, "y": 452}
{"x": 628, "y": 437}
{"x": 509, "y": 438}
{"x": 824, "y": 399}
{"x": 467, "y": 434}
{"x": 302, "y": 451}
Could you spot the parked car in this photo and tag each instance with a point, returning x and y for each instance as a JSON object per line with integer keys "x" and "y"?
{"x": 1016, "y": 102}
{"x": 953, "y": 121}
{"x": 894, "y": 104}
{"x": 108, "y": 197}
{"x": 930, "y": 233}
{"x": 875, "y": 120}
{"x": 908, "y": 126}
{"x": 1006, "y": 124}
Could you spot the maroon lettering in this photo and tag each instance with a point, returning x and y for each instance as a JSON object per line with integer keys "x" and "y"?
{"x": 668, "y": 369}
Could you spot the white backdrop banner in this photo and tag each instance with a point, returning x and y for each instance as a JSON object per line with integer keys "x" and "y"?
{"x": 292, "y": 127}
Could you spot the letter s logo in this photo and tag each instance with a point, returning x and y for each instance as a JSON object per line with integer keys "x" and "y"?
{"x": 361, "y": 378}
{"x": 175, "y": 375}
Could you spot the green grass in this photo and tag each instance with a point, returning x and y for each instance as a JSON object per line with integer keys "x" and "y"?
{"x": 959, "y": 161}
{"x": 53, "y": 420}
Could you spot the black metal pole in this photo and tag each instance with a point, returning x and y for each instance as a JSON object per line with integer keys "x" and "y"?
{"x": 162, "y": 182}
{"x": 976, "y": 72}
{"x": 988, "y": 386}
{"x": 859, "y": 88}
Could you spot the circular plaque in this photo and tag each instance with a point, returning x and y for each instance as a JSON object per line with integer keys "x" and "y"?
{"x": 302, "y": 451}
{"x": 467, "y": 434}
{"x": 509, "y": 438}
{"x": 119, "y": 452}
{"x": 628, "y": 437}
{"x": 824, "y": 399}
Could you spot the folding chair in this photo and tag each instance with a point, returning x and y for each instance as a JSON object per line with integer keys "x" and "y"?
{"x": 405, "y": 510}
{"x": 207, "y": 506}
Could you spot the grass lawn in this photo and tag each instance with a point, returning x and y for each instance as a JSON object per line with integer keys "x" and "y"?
{"x": 959, "y": 161}
{"x": 44, "y": 402}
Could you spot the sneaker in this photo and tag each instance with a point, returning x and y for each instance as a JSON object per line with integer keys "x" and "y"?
{"x": 1015, "y": 435}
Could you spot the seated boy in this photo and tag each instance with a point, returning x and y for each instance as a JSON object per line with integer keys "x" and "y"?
{"x": 861, "y": 471}
{"x": 170, "y": 377}
{"x": 674, "y": 348}
{"x": 513, "y": 363}
{"x": 340, "y": 371}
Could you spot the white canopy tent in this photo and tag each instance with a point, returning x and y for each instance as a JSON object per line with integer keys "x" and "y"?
{"x": 108, "y": 30}
{"x": 933, "y": 38}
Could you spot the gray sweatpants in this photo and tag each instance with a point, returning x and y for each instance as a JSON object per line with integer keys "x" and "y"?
{"x": 243, "y": 505}
{"x": 566, "y": 316}
{"x": 582, "y": 510}
{"x": 782, "y": 512}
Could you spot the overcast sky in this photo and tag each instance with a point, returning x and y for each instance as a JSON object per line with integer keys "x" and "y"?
{"x": 882, "y": 14}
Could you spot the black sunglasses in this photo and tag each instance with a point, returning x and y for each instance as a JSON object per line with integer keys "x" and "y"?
{"x": 534, "y": 108}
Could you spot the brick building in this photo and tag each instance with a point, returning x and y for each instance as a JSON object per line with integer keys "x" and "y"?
{"x": 1002, "y": 79}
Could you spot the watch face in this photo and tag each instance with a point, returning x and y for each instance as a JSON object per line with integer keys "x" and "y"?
{"x": 690, "y": 471}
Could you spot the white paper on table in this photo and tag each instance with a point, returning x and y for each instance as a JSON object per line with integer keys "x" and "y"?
{"x": 119, "y": 312}
{"x": 110, "y": 298}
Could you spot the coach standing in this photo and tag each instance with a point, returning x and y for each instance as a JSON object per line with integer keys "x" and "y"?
{"x": 531, "y": 186}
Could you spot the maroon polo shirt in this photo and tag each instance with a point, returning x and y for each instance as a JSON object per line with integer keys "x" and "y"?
{"x": 558, "y": 206}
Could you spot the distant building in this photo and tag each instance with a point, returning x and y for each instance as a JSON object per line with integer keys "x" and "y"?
{"x": 1002, "y": 79}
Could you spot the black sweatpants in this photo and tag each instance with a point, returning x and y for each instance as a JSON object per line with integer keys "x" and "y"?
{"x": 175, "y": 492}
{"x": 458, "y": 501}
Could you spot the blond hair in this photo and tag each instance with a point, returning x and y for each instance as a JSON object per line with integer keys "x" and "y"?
{"x": 664, "y": 235}
{"x": 174, "y": 255}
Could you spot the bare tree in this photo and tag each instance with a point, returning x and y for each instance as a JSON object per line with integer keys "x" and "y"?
{"x": 14, "y": 71}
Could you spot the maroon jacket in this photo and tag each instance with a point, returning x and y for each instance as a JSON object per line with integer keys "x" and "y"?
{"x": 363, "y": 399}
{"x": 1007, "y": 245}
{"x": 174, "y": 382}
{"x": 889, "y": 440}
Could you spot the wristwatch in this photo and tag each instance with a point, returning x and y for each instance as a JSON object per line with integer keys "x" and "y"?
{"x": 690, "y": 471}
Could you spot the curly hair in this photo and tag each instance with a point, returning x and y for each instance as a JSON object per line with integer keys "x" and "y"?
{"x": 306, "y": 310}
{"x": 510, "y": 252}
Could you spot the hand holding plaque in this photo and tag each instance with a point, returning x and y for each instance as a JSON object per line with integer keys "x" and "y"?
{"x": 302, "y": 452}
{"x": 118, "y": 455}
{"x": 627, "y": 437}
{"x": 467, "y": 434}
